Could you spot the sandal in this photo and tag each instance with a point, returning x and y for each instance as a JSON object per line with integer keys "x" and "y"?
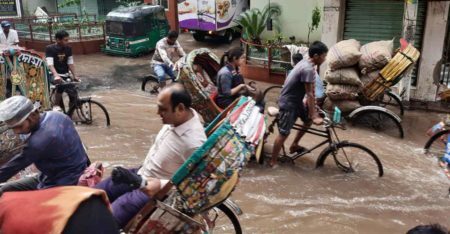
{"x": 297, "y": 149}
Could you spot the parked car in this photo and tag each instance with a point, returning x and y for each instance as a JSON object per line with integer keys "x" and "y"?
{"x": 134, "y": 31}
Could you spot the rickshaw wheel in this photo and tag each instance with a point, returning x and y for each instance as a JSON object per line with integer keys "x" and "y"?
{"x": 378, "y": 119}
{"x": 391, "y": 101}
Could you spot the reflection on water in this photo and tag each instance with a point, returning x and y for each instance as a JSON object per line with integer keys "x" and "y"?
{"x": 298, "y": 198}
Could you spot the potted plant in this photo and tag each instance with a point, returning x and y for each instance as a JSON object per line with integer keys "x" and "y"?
{"x": 253, "y": 22}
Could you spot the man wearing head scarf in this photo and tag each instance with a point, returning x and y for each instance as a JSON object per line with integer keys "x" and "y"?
{"x": 53, "y": 146}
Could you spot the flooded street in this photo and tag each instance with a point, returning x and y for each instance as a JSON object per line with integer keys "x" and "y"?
{"x": 291, "y": 198}
{"x": 298, "y": 198}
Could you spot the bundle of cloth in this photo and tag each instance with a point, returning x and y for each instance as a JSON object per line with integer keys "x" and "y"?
{"x": 342, "y": 76}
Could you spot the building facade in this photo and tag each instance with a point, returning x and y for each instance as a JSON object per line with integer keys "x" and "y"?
{"x": 295, "y": 17}
{"x": 421, "y": 22}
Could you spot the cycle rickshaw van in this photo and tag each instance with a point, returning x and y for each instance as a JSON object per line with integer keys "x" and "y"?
{"x": 133, "y": 31}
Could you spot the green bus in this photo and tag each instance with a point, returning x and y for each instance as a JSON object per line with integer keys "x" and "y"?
{"x": 134, "y": 31}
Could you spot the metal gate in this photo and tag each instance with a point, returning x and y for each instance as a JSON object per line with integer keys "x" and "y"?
{"x": 368, "y": 21}
{"x": 375, "y": 20}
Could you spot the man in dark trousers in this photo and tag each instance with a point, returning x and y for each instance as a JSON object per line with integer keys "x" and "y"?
{"x": 60, "y": 61}
{"x": 298, "y": 84}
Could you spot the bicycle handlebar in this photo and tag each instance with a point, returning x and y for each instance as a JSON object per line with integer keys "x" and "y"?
{"x": 67, "y": 82}
{"x": 327, "y": 121}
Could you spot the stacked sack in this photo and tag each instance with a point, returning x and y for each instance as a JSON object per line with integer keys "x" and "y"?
{"x": 342, "y": 76}
{"x": 375, "y": 56}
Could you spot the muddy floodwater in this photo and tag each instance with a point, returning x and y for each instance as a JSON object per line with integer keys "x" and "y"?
{"x": 298, "y": 198}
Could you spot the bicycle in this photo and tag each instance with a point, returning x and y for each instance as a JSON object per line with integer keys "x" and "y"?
{"x": 151, "y": 82}
{"x": 371, "y": 115}
{"x": 436, "y": 144}
{"x": 85, "y": 108}
{"x": 350, "y": 160}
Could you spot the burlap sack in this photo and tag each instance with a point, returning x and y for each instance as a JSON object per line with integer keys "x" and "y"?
{"x": 342, "y": 92}
{"x": 346, "y": 106}
{"x": 347, "y": 76}
{"x": 344, "y": 54}
{"x": 375, "y": 55}
{"x": 367, "y": 78}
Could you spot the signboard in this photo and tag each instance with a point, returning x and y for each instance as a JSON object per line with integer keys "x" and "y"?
{"x": 10, "y": 8}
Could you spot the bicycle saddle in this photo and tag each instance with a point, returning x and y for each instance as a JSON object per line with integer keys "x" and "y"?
{"x": 273, "y": 111}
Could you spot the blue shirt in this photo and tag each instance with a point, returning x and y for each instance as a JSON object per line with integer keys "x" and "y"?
{"x": 227, "y": 79}
{"x": 318, "y": 89}
{"x": 56, "y": 150}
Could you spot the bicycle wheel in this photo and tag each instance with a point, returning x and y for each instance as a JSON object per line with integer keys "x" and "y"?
{"x": 380, "y": 121}
{"x": 435, "y": 146}
{"x": 392, "y": 101}
{"x": 353, "y": 158}
{"x": 223, "y": 220}
{"x": 271, "y": 96}
{"x": 150, "y": 84}
{"x": 93, "y": 113}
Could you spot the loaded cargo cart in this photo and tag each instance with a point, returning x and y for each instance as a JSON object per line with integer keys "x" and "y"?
{"x": 210, "y": 18}
{"x": 371, "y": 105}
{"x": 393, "y": 72}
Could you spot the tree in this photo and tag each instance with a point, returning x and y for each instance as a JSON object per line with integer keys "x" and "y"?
{"x": 67, "y": 3}
{"x": 315, "y": 21}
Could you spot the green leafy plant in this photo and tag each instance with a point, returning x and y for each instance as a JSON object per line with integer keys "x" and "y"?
{"x": 315, "y": 21}
{"x": 129, "y": 3}
{"x": 253, "y": 21}
{"x": 67, "y": 3}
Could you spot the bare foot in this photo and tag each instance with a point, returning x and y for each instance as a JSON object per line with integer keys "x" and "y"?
{"x": 272, "y": 163}
{"x": 447, "y": 173}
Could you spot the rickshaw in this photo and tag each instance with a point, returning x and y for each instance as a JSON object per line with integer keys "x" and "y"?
{"x": 379, "y": 105}
{"x": 134, "y": 31}
{"x": 205, "y": 181}
{"x": 28, "y": 73}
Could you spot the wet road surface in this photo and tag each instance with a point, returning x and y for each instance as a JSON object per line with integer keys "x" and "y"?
{"x": 291, "y": 198}
{"x": 298, "y": 198}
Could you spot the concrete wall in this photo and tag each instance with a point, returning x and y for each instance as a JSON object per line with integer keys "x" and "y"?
{"x": 333, "y": 20}
{"x": 90, "y": 6}
{"x": 29, "y": 6}
{"x": 171, "y": 13}
{"x": 432, "y": 49}
{"x": 296, "y": 14}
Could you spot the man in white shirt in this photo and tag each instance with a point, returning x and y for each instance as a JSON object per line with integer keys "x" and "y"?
{"x": 167, "y": 52}
{"x": 181, "y": 135}
{"x": 8, "y": 36}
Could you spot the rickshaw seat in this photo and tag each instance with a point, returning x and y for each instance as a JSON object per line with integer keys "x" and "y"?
{"x": 273, "y": 111}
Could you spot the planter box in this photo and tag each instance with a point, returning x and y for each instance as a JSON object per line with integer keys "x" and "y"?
{"x": 265, "y": 63}
{"x": 259, "y": 73}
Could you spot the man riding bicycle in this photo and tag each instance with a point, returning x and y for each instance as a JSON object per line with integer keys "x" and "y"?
{"x": 60, "y": 61}
{"x": 300, "y": 82}
{"x": 52, "y": 145}
{"x": 167, "y": 52}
